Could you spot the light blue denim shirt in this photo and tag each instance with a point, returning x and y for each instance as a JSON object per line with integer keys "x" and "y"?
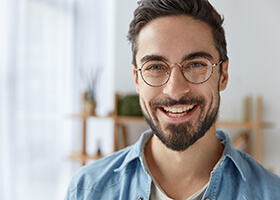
{"x": 122, "y": 176}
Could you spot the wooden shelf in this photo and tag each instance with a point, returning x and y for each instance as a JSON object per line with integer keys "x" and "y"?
{"x": 84, "y": 157}
{"x": 86, "y": 115}
{"x": 244, "y": 125}
{"x": 119, "y": 119}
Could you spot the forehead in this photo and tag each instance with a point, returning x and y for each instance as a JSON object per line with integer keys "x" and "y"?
{"x": 175, "y": 37}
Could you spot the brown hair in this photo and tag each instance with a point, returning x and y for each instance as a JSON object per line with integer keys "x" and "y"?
{"x": 202, "y": 10}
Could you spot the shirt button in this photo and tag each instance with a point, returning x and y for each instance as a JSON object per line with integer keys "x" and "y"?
{"x": 140, "y": 198}
{"x": 207, "y": 199}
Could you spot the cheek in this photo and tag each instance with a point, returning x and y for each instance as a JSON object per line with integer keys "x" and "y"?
{"x": 147, "y": 94}
{"x": 210, "y": 92}
{"x": 213, "y": 96}
{"x": 215, "y": 79}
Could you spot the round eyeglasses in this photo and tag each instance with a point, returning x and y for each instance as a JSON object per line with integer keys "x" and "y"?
{"x": 197, "y": 70}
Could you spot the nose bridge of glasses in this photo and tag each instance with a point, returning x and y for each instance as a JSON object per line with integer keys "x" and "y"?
{"x": 177, "y": 72}
{"x": 174, "y": 64}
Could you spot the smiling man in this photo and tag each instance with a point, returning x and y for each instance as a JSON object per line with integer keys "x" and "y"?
{"x": 180, "y": 65}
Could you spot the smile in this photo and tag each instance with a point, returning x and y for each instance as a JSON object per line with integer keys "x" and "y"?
{"x": 178, "y": 111}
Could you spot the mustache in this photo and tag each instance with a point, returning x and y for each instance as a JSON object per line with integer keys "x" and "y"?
{"x": 186, "y": 100}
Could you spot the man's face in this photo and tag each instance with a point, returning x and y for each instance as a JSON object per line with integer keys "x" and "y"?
{"x": 179, "y": 112}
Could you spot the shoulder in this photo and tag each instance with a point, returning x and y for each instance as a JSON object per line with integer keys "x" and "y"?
{"x": 240, "y": 164}
{"x": 112, "y": 175}
{"x": 258, "y": 171}
{"x": 257, "y": 180}
{"x": 100, "y": 175}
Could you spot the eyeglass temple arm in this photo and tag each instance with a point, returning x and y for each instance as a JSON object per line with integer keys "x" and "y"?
{"x": 216, "y": 64}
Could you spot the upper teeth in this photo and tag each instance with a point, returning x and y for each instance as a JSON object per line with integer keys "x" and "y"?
{"x": 178, "y": 110}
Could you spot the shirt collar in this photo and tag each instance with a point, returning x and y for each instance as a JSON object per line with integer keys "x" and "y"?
{"x": 136, "y": 150}
{"x": 229, "y": 152}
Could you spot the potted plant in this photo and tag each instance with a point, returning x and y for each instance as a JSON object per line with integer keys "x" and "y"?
{"x": 91, "y": 80}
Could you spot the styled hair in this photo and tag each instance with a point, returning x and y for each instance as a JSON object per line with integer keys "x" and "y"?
{"x": 202, "y": 10}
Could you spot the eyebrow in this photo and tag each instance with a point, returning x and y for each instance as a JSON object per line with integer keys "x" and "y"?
{"x": 198, "y": 54}
{"x": 187, "y": 57}
{"x": 152, "y": 57}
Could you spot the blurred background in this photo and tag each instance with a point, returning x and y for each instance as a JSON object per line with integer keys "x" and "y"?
{"x": 52, "y": 52}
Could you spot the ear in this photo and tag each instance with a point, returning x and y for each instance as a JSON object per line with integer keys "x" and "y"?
{"x": 224, "y": 76}
{"x": 135, "y": 78}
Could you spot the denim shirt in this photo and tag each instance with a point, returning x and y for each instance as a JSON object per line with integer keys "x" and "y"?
{"x": 122, "y": 176}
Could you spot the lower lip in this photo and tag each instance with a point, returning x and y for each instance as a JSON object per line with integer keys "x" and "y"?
{"x": 181, "y": 118}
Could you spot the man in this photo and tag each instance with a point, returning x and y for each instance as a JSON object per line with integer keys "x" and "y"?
{"x": 180, "y": 65}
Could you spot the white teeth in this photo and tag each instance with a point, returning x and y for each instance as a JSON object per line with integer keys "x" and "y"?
{"x": 176, "y": 115}
{"x": 178, "y": 110}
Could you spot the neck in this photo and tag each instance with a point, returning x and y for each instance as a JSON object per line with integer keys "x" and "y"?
{"x": 191, "y": 167}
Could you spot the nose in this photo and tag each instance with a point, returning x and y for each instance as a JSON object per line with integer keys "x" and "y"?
{"x": 177, "y": 85}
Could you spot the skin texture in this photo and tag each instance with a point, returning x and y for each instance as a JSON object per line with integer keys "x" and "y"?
{"x": 184, "y": 149}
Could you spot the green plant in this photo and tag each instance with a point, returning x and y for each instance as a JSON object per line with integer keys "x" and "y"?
{"x": 128, "y": 105}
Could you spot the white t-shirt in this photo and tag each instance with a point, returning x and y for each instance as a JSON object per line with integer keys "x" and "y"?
{"x": 158, "y": 194}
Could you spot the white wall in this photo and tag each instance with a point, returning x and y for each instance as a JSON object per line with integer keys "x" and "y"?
{"x": 252, "y": 30}
{"x": 124, "y": 76}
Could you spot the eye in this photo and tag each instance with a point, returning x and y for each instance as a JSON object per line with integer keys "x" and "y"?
{"x": 196, "y": 65}
{"x": 155, "y": 67}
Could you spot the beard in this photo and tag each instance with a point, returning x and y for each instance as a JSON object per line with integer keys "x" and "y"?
{"x": 179, "y": 137}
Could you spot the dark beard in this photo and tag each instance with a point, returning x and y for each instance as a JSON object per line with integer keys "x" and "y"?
{"x": 181, "y": 135}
